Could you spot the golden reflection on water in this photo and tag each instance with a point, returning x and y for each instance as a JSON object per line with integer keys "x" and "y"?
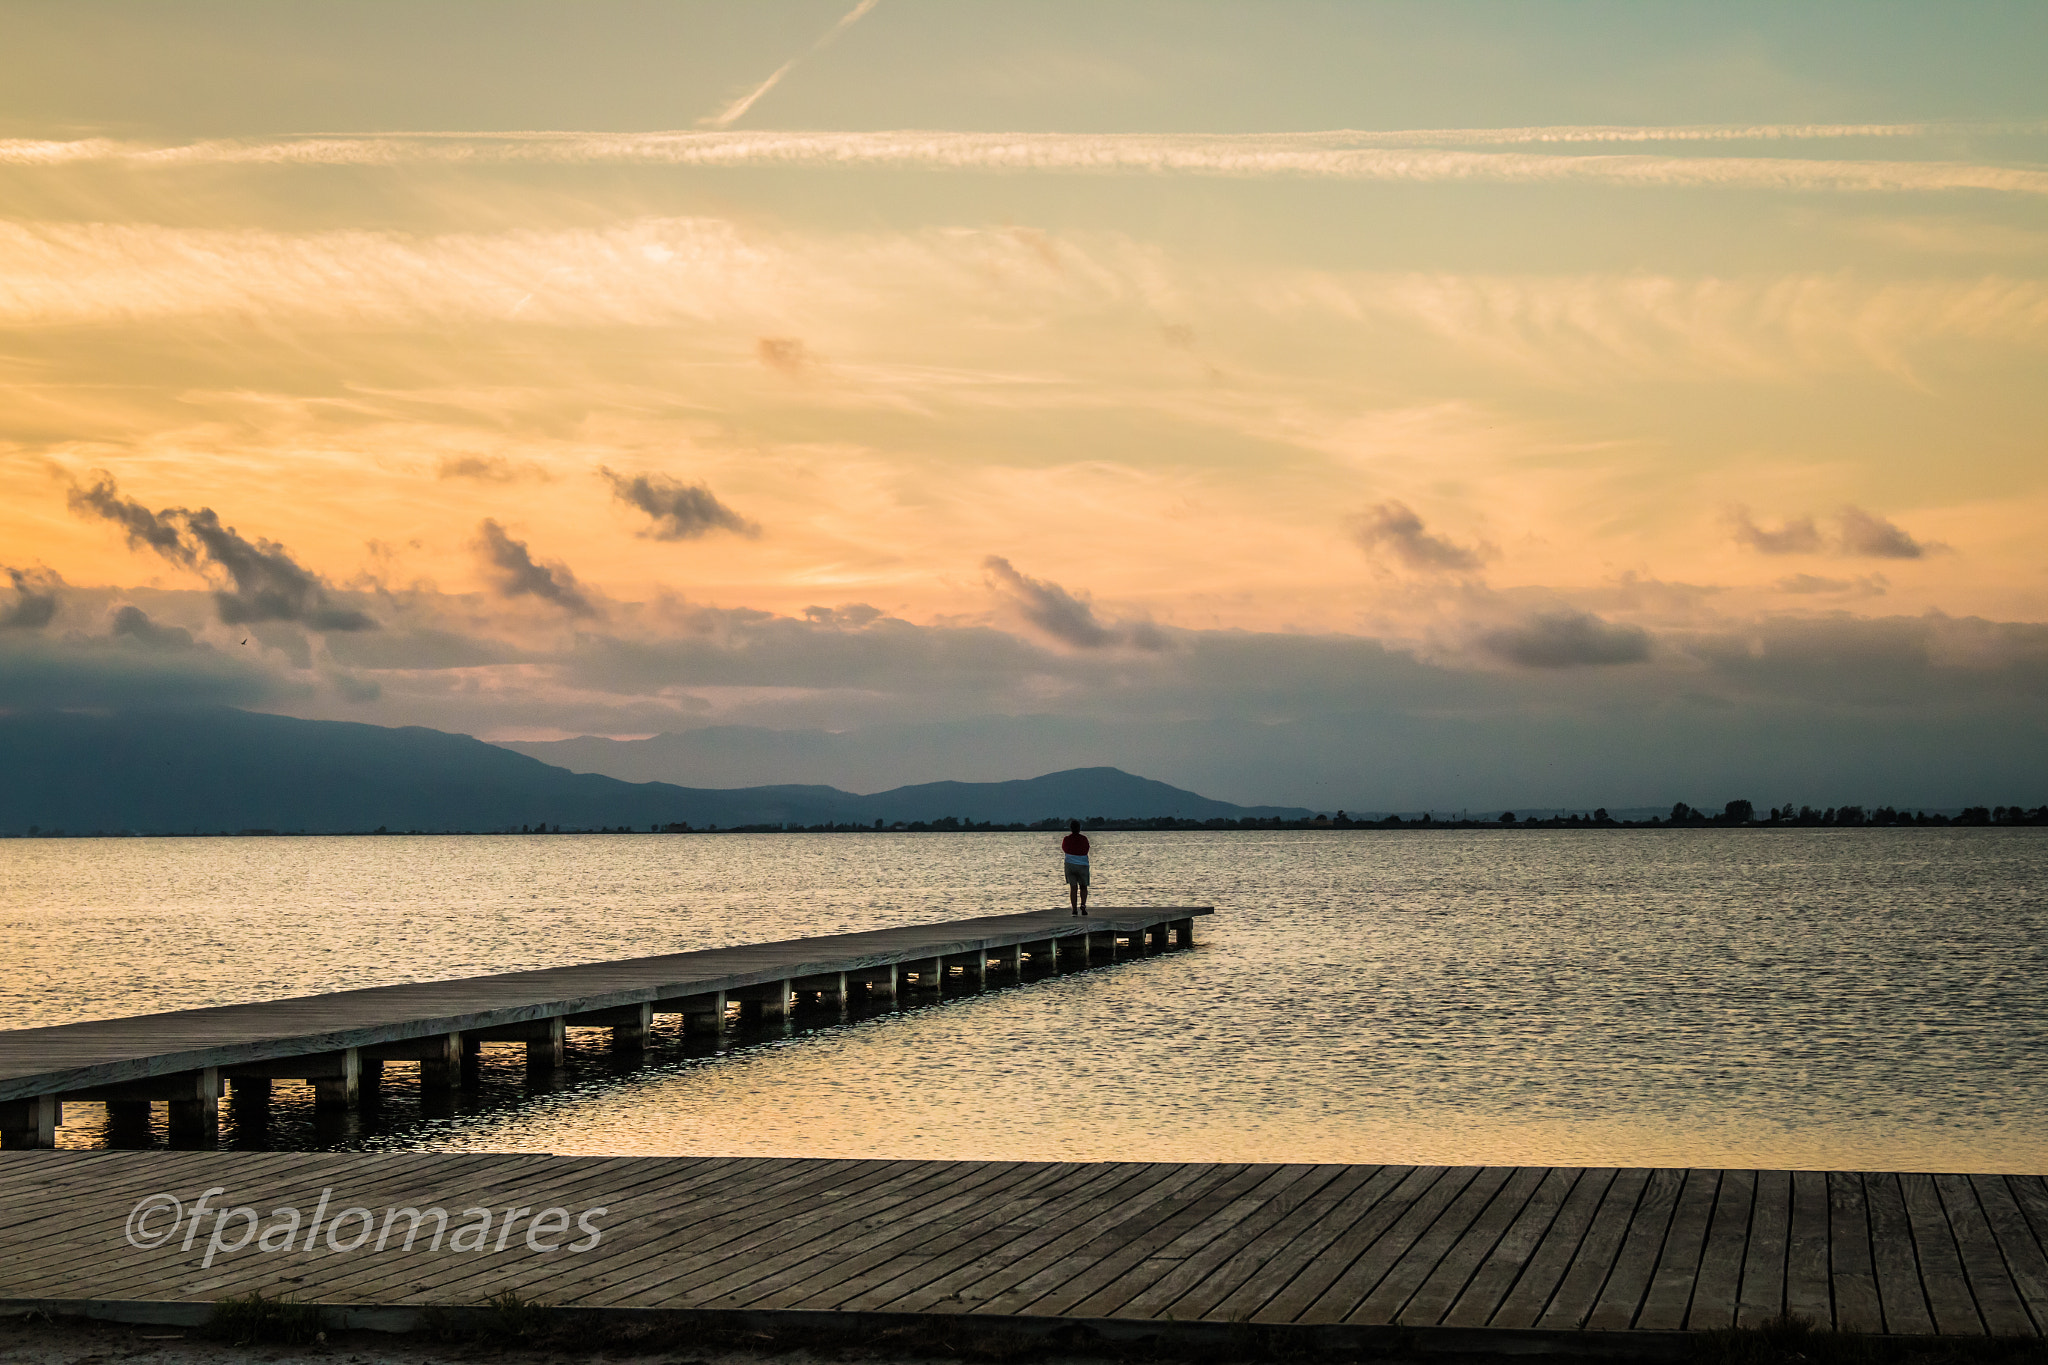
{"x": 1831, "y": 999}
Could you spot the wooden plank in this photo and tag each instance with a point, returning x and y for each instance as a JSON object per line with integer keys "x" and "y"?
{"x": 1269, "y": 1261}
{"x": 682, "y": 1186}
{"x": 881, "y": 1271}
{"x": 1990, "y": 1280}
{"x": 1027, "y": 1286}
{"x": 1554, "y": 1254}
{"x": 1852, "y": 1274}
{"x": 2026, "y": 1259}
{"x": 897, "y": 1223}
{"x": 1512, "y": 1255}
{"x": 1808, "y": 1296}
{"x": 1448, "y": 1278}
{"x": 716, "y": 1239}
{"x": 1315, "y": 1279}
{"x": 1608, "y": 1291}
{"x": 985, "y": 1263}
{"x": 1891, "y": 1256}
{"x": 1718, "y": 1286}
{"x": 1678, "y": 1261}
{"x": 1949, "y": 1300}
{"x": 1105, "y": 1278}
{"x": 1352, "y": 1291}
{"x": 1005, "y": 1281}
{"x": 1762, "y": 1297}
{"x": 1150, "y": 1268}
{"x": 1231, "y": 1249}
{"x": 1335, "y": 1217}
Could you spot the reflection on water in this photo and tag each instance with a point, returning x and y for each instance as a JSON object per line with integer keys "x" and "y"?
{"x": 1806, "y": 998}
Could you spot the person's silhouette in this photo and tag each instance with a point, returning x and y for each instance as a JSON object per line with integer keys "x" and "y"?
{"x": 1075, "y": 846}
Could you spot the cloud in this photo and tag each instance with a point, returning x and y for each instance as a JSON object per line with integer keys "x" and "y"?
{"x": 1394, "y": 528}
{"x": 1871, "y": 536}
{"x": 785, "y": 355}
{"x": 515, "y": 574}
{"x": 1066, "y": 618}
{"x": 485, "y": 469}
{"x": 116, "y": 671}
{"x": 1858, "y": 534}
{"x": 1863, "y": 585}
{"x": 267, "y": 583}
{"x": 132, "y": 623}
{"x": 1798, "y": 536}
{"x": 35, "y": 600}
{"x": 1426, "y": 155}
{"x": 1567, "y": 639}
{"x": 734, "y": 111}
{"x": 681, "y": 511}
{"x": 146, "y": 530}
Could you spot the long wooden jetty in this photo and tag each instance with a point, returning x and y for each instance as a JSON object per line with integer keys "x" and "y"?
{"x": 185, "y": 1059}
{"x": 1340, "y": 1256}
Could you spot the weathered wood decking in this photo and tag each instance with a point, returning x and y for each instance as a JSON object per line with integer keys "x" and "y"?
{"x": 1479, "y": 1255}
{"x": 184, "y": 1057}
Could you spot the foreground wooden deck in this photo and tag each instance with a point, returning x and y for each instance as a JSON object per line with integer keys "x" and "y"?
{"x": 1494, "y": 1255}
{"x": 185, "y": 1058}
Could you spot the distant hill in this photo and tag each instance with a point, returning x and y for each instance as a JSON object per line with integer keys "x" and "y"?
{"x": 214, "y": 770}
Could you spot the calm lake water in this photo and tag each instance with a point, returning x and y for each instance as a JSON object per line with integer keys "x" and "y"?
{"x": 1797, "y": 998}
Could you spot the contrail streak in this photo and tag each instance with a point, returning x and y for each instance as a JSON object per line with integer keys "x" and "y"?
{"x": 727, "y": 116}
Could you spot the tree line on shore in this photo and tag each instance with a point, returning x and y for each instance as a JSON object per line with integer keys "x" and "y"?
{"x": 1734, "y": 815}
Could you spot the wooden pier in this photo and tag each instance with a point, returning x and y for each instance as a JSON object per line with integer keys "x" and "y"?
{"x": 185, "y": 1059}
{"x": 1425, "y": 1257}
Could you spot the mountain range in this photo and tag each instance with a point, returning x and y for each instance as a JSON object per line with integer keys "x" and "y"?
{"x": 206, "y": 771}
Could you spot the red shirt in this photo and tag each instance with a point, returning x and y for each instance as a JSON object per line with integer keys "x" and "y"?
{"x": 1075, "y": 844}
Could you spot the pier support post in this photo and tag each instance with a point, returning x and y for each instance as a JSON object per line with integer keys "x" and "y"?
{"x": 195, "y": 1118}
{"x": 442, "y": 1069}
{"x": 1184, "y": 930}
{"x": 880, "y": 982}
{"x": 702, "y": 1014}
{"x": 32, "y": 1122}
{"x": 973, "y": 966}
{"x": 1155, "y": 937}
{"x": 931, "y": 974}
{"x": 550, "y": 1049}
{"x": 830, "y": 988}
{"x": 767, "y": 1003}
{"x": 343, "y": 1090}
{"x": 629, "y": 1024}
{"x": 1009, "y": 959}
{"x": 336, "y": 1077}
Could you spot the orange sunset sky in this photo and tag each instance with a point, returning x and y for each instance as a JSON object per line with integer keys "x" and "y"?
{"x": 1371, "y": 405}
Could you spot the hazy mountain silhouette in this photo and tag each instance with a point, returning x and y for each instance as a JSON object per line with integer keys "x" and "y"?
{"x": 212, "y": 770}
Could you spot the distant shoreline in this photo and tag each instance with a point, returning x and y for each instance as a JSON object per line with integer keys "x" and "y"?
{"x": 1846, "y": 817}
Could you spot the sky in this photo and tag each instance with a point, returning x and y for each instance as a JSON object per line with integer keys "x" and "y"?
{"x": 1374, "y": 405}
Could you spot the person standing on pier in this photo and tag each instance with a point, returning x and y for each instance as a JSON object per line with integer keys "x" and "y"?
{"x": 1075, "y": 846}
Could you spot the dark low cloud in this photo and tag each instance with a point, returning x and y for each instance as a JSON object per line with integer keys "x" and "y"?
{"x": 515, "y": 573}
{"x": 481, "y": 468}
{"x": 35, "y": 600}
{"x": 1795, "y": 536}
{"x": 1858, "y": 535}
{"x": 1871, "y": 536}
{"x": 1395, "y": 529}
{"x": 132, "y": 623}
{"x": 1069, "y": 619}
{"x": 1567, "y": 639}
{"x": 1863, "y": 585}
{"x": 267, "y": 584}
{"x": 681, "y": 511}
{"x": 111, "y": 672}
